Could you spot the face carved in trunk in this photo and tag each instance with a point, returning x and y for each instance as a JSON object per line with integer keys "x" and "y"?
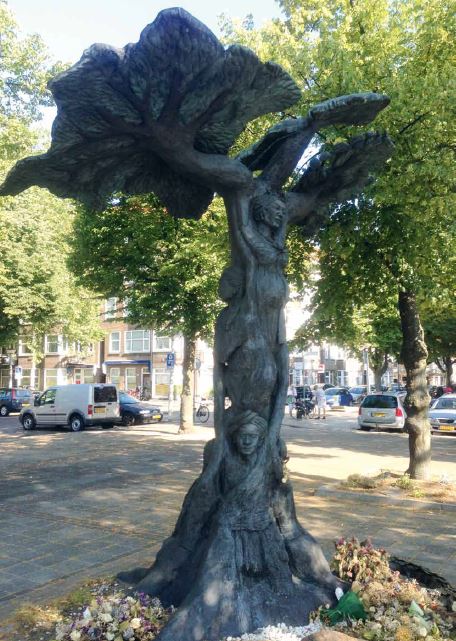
{"x": 269, "y": 208}
{"x": 247, "y": 432}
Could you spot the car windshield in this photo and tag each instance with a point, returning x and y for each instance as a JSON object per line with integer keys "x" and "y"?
{"x": 445, "y": 404}
{"x": 380, "y": 402}
{"x": 333, "y": 391}
{"x": 126, "y": 398}
{"x": 23, "y": 393}
{"x": 357, "y": 390}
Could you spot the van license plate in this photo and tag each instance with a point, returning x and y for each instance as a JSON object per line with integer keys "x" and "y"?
{"x": 100, "y": 410}
{"x": 447, "y": 428}
{"x": 378, "y": 414}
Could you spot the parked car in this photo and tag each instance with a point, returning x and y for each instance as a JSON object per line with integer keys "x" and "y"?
{"x": 358, "y": 393}
{"x": 134, "y": 411}
{"x": 442, "y": 414}
{"x": 382, "y": 410}
{"x": 396, "y": 387}
{"x": 336, "y": 396}
{"x": 13, "y": 399}
{"x": 73, "y": 406}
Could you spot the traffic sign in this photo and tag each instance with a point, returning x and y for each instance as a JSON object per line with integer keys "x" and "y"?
{"x": 170, "y": 359}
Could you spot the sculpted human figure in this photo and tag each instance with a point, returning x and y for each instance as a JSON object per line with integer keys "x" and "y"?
{"x": 161, "y": 116}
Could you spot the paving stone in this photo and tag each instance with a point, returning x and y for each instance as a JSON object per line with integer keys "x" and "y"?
{"x": 103, "y": 502}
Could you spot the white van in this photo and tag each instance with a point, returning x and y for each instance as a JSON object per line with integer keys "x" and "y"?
{"x": 75, "y": 406}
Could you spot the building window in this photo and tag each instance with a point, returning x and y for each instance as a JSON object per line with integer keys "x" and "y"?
{"x": 137, "y": 340}
{"x": 83, "y": 375}
{"x": 130, "y": 378}
{"x": 110, "y": 308}
{"x": 114, "y": 375}
{"x": 162, "y": 376}
{"x": 52, "y": 344}
{"x": 50, "y": 377}
{"x": 162, "y": 343}
{"x": 4, "y": 377}
{"x": 114, "y": 342}
{"x": 342, "y": 377}
{"x": 27, "y": 378}
{"x": 88, "y": 375}
{"x": 24, "y": 349}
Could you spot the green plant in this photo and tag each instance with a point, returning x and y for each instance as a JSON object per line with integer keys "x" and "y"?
{"x": 405, "y": 483}
{"x": 360, "y": 481}
{"x": 354, "y": 560}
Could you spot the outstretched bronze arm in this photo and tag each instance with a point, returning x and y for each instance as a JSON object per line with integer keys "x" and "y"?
{"x": 278, "y": 153}
{"x": 334, "y": 176}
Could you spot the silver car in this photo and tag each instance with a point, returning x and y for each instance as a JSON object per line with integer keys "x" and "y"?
{"x": 358, "y": 393}
{"x": 380, "y": 411}
{"x": 442, "y": 414}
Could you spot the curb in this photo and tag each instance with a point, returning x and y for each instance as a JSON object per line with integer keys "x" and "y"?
{"x": 331, "y": 491}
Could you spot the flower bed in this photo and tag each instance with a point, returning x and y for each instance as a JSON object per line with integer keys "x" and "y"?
{"x": 393, "y": 609}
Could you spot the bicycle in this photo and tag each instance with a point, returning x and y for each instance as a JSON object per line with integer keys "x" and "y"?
{"x": 202, "y": 413}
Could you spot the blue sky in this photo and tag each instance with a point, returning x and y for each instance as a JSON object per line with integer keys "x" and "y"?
{"x": 70, "y": 27}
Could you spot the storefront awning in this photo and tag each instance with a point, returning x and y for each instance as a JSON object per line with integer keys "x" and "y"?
{"x": 133, "y": 362}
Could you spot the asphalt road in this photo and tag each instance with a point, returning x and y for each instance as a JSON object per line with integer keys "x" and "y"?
{"x": 79, "y": 505}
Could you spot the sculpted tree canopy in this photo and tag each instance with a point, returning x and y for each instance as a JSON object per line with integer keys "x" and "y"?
{"x": 161, "y": 116}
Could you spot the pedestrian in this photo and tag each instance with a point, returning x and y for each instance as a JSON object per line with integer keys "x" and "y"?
{"x": 290, "y": 401}
{"x": 320, "y": 399}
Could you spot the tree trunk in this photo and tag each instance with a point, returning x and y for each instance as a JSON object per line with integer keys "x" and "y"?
{"x": 414, "y": 356}
{"x": 188, "y": 374}
{"x": 379, "y": 365}
{"x": 448, "y": 370}
{"x": 238, "y": 558}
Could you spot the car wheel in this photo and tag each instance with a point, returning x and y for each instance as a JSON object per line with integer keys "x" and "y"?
{"x": 128, "y": 419}
{"x": 76, "y": 423}
{"x": 4, "y": 410}
{"x": 28, "y": 422}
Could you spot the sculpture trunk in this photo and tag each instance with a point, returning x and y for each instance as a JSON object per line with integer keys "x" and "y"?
{"x": 161, "y": 116}
{"x": 238, "y": 559}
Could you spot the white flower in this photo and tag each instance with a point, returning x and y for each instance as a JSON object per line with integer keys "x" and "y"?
{"x": 105, "y": 617}
{"x": 422, "y": 631}
{"x": 109, "y": 636}
{"x": 135, "y": 623}
{"x": 87, "y": 614}
{"x": 75, "y": 635}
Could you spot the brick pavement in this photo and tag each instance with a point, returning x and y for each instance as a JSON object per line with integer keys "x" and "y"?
{"x": 74, "y": 506}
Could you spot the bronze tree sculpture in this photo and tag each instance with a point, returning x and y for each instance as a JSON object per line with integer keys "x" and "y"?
{"x": 161, "y": 116}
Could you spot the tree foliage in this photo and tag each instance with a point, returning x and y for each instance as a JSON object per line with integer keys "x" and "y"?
{"x": 399, "y": 239}
{"x": 36, "y": 288}
{"x": 166, "y": 270}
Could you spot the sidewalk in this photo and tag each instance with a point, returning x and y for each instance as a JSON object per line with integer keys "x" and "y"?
{"x": 75, "y": 506}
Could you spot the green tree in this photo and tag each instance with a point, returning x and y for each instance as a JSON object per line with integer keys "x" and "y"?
{"x": 37, "y": 291}
{"x": 336, "y": 319}
{"x": 440, "y": 335}
{"x": 399, "y": 240}
{"x": 166, "y": 269}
